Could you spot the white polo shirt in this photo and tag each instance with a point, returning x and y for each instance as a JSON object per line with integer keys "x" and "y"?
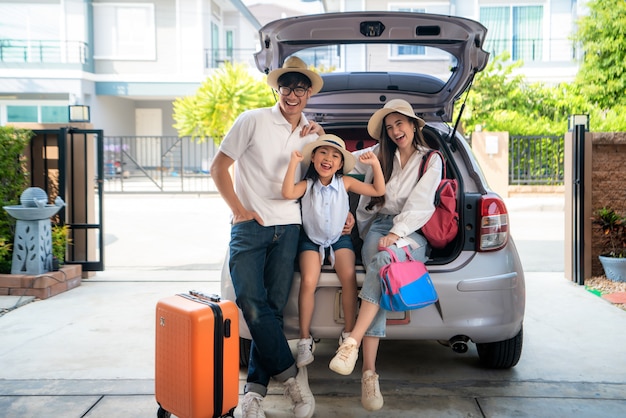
{"x": 260, "y": 141}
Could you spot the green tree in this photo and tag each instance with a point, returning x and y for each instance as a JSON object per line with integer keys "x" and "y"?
{"x": 502, "y": 101}
{"x": 228, "y": 92}
{"x": 13, "y": 180}
{"x": 602, "y": 33}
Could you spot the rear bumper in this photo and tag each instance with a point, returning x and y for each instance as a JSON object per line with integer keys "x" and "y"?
{"x": 481, "y": 296}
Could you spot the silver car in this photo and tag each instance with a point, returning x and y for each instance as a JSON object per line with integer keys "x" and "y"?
{"x": 367, "y": 59}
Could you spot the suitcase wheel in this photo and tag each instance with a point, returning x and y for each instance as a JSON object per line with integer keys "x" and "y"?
{"x": 162, "y": 413}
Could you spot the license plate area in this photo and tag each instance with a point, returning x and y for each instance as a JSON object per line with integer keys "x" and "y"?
{"x": 393, "y": 318}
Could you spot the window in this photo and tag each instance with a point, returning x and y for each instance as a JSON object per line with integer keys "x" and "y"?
{"x": 22, "y": 114}
{"x": 516, "y": 29}
{"x": 229, "y": 44}
{"x": 407, "y": 51}
{"x": 124, "y": 31}
{"x": 36, "y": 113}
{"x": 53, "y": 114}
{"x": 215, "y": 45}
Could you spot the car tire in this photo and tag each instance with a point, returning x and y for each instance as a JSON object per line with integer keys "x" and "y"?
{"x": 244, "y": 352}
{"x": 501, "y": 354}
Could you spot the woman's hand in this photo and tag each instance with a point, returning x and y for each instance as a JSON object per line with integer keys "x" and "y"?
{"x": 388, "y": 240}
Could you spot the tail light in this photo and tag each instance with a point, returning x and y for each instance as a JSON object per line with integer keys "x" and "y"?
{"x": 493, "y": 222}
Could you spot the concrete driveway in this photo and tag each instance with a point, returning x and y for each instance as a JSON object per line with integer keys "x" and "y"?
{"x": 89, "y": 352}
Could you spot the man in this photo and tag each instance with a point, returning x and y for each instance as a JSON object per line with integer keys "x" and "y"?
{"x": 265, "y": 229}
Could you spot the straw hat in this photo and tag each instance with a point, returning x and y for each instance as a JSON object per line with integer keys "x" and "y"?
{"x": 294, "y": 64}
{"x": 329, "y": 140}
{"x": 375, "y": 124}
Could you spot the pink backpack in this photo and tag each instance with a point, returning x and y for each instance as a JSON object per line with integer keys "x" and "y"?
{"x": 442, "y": 227}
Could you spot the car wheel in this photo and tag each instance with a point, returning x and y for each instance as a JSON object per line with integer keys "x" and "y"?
{"x": 244, "y": 351}
{"x": 501, "y": 354}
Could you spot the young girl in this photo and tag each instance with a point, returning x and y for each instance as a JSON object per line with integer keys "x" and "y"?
{"x": 325, "y": 205}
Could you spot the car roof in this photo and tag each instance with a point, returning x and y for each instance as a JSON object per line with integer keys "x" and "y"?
{"x": 355, "y": 85}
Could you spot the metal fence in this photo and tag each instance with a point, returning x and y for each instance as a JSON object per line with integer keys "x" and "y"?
{"x": 536, "y": 160}
{"x": 172, "y": 164}
{"x": 149, "y": 164}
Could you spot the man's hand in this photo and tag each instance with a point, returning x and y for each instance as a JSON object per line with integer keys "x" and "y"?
{"x": 247, "y": 216}
{"x": 347, "y": 227}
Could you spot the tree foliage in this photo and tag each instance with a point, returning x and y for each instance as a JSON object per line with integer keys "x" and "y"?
{"x": 503, "y": 102}
{"x": 602, "y": 33}
{"x": 13, "y": 180}
{"x": 228, "y": 92}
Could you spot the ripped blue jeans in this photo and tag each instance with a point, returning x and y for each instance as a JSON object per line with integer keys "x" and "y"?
{"x": 374, "y": 260}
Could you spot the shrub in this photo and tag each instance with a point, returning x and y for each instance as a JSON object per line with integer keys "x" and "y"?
{"x": 13, "y": 180}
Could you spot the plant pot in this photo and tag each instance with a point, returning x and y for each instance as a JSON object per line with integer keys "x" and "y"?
{"x": 614, "y": 268}
{"x": 55, "y": 264}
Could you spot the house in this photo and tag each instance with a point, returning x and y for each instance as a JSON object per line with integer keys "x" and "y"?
{"x": 128, "y": 60}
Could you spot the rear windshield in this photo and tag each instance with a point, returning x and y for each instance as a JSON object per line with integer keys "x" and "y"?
{"x": 433, "y": 63}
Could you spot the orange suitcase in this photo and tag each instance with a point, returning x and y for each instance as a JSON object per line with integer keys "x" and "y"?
{"x": 197, "y": 356}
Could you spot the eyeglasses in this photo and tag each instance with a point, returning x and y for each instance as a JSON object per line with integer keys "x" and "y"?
{"x": 286, "y": 91}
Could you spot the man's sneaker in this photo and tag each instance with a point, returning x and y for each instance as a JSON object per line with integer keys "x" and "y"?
{"x": 297, "y": 390}
{"x": 371, "y": 398}
{"x": 251, "y": 406}
{"x": 343, "y": 336}
{"x": 305, "y": 352}
{"x": 345, "y": 359}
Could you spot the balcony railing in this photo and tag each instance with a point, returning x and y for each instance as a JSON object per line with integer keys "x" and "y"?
{"x": 213, "y": 58}
{"x": 535, "y": 50}
{"x": 43, "y": 51}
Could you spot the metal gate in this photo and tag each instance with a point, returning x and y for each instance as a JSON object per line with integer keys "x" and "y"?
{"x": 68, "y": 162}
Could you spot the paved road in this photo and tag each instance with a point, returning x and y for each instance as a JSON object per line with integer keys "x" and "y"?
{"x": 89, "y": 352}
{"x": 191, "y": 232}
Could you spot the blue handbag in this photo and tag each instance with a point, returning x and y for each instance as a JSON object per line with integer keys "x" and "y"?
{"x": 405, "y": 285}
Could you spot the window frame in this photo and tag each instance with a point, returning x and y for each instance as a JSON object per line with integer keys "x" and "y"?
{"x": 120, "y": 48}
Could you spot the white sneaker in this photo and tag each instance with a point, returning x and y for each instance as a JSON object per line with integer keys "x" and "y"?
{"x": 343, "y": 336}
{"x": 345, "y": 359}
{"x": 298, "y": 391}
{"x": 371, "y": 398}
{"x": 251, "y": 406}
{"x": 305, "y": 352}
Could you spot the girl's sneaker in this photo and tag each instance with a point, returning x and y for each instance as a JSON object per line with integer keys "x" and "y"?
{"x": 371, "y": 398}
{"x": 343, "y": 336}
{"x": 345, "y": 359}
{"x": 305, "y": 352}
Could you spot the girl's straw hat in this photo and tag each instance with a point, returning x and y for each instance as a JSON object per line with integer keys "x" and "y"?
{"x": 329, "y": 140}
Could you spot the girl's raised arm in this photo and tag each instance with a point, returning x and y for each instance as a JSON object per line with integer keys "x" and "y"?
{"x": 291, "y": 189}
{"x": 377, "y": 188}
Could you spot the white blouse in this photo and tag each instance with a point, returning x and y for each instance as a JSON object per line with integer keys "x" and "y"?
{"x": 409, "y": 200}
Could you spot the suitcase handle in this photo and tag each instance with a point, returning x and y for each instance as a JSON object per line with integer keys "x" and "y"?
{"x": 203, "y": 296}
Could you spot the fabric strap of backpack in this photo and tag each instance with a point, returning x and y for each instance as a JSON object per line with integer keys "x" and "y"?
{"x": 424, "y": 165}
{"x": 426, "y": 159}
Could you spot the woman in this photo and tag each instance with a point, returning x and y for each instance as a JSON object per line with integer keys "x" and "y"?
{"x": 392, "y": 220}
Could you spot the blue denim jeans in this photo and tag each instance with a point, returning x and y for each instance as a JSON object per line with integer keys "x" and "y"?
{"x": 373, "y": 260}
{"x": 261, "y": 268}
